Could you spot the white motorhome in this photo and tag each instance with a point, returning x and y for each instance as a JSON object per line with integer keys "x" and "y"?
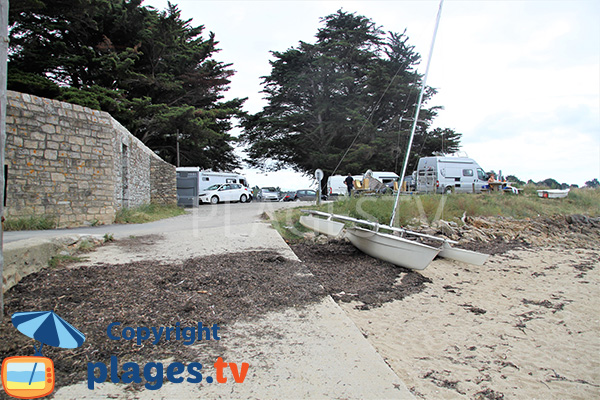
{"x": 447, "y": 174}
{"x": 191, "y": 181}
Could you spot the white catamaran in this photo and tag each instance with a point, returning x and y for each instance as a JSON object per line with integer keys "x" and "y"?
{"x": 390, "y": 247}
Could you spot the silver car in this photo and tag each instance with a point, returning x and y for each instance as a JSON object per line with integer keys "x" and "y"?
{"x": 268, "y": 194}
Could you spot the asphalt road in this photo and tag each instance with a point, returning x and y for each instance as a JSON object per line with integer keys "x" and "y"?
{"x": 204, "y": 216}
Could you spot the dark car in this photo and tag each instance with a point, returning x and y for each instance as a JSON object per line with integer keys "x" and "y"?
{"x": 288, "y": 196}
{"x": 307, "y": 195}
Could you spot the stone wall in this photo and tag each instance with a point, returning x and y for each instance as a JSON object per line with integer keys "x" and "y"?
{"x": 77, "y": 164}
{"x": 164, "y": 190}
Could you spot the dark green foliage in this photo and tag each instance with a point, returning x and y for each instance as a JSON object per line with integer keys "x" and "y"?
{"x": 345, "y": 103}
{"x": 550, "y": 183}
{"x": 151, "y": 70}
{"x": 593, "y": 183}
{"x": 515, "y": 180}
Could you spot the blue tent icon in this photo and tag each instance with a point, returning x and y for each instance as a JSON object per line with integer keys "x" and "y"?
{"x": 47, "y": 328}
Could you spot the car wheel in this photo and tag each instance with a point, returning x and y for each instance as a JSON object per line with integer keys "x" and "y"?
{"x": 449, "y": 190}
{"x": 243, "y": 198}
{"x": 214, "y": 200}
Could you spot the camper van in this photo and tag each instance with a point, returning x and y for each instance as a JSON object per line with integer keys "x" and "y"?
{"x": 447, "y": 174}
{"x": 191, "y": 181}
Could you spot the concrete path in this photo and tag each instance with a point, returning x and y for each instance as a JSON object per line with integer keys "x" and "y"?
{"x": 310, "y": 352}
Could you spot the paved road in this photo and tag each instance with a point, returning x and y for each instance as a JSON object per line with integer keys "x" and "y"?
{"x": 206, "y": 216}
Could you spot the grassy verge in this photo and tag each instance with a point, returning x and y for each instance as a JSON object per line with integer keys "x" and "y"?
{"x": 416, "y": 209}
{"x": 82, "y": 247}
{"x": 146, "y": 213}
{"x": 63, "y": 260}
{"x": 33, "y": 223}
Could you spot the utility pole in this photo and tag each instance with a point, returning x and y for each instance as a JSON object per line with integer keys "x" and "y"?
{"x": 177, "y": 147}
{"x": 3, "y": 72}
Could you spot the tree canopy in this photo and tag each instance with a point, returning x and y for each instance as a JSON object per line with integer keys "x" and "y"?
{"x": 345, "y": 103}
{"x": 154, "y": 72}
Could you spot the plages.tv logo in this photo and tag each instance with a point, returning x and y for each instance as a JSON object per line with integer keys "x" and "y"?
{"x": 30, "y": 377}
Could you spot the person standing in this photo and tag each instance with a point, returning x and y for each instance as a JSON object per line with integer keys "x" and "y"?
{"x": 349, "y": 181}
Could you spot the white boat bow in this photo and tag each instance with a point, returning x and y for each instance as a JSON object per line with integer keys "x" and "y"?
{"x": 324, "y": 226}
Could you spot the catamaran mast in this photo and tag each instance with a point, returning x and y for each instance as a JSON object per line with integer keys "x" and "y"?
{"x": 414, "y": 127}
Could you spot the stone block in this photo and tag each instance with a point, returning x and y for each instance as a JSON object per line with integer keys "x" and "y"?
{"x": 76, "y": 140}
{"x": 30, "y": 144}
{"x": 57, "y": 177}
{"x": 50, "y": 154}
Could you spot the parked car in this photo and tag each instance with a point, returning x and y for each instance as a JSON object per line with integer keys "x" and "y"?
{"x": 306, "y": 195}
{"x": 228, "y": 192}
{"x": 268, "y": 194}
{"x": 288, "y": 196}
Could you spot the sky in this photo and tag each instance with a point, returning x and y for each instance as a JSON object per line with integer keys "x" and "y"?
{"x": 519, "y": 79}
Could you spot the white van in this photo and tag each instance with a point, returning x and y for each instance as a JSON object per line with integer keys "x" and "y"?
{"x": 191, "y": 181}
{"x": 337, "y": 187}
{"x": 447, "y": 174}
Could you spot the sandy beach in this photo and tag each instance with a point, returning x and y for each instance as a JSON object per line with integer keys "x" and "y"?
{"x": 526, "y": 325}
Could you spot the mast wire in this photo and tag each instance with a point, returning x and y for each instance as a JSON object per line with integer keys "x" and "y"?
{"x": 414, "y": 127}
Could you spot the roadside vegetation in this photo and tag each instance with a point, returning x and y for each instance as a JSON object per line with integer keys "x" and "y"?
{"x": 136, "y": 215}
{"x": 32, "y": 223}
{"x": 147, "y": 213}
{"x": 416, "y": 210}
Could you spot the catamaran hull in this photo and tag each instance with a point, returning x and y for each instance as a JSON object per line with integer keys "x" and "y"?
{"x": 396, "y": 250}
{"x": 467, "y": 256}
{"x": 327, "y": 227}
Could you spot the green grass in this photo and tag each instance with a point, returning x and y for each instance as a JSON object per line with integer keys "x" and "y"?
{"x": 418, "y": 209}
{"x": 33, "y": 223}
{"x": 146, "y": 213}
{"x": 62, "y": 260}
{"x": 286, "y": 223}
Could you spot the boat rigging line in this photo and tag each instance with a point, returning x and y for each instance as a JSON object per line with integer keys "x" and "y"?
{"x": 418, "y": 109}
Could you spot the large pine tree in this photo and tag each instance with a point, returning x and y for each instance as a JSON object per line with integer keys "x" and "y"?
{"x": 344, "y": 104}
{"x": 153, "y": 71}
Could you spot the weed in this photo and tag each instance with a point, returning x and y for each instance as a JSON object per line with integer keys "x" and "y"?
{"x": 62, "y": 260}
{"x": 85, "y": 246}
{"x": 108, "y": 237}
{"x": 146, "y": 213}
{"x": 32, "y": 223}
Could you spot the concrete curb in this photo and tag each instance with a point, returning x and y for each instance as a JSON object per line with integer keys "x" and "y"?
{"x": 27, "y": 256}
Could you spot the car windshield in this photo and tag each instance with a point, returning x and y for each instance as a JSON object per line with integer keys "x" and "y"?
{"x": 213, "y": 187}
{"x": 269, "y": 189}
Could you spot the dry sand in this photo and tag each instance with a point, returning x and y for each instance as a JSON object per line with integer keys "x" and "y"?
{"x": 526, "y": 325}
